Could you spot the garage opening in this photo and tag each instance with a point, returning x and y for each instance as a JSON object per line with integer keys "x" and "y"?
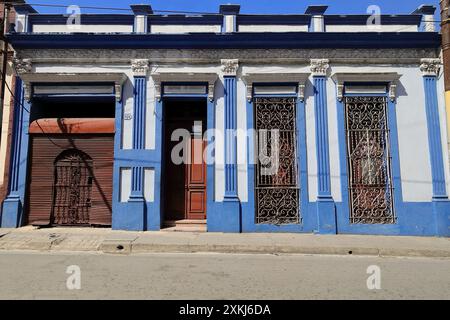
{"x": 71, "y": 161}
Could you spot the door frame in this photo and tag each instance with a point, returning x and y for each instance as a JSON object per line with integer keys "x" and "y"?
{"x": 210, "y": 120}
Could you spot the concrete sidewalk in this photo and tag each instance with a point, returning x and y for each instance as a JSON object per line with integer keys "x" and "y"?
{"x": 126, "y": 242}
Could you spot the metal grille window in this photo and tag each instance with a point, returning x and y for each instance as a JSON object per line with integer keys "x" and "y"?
{"x": 72, "y": 188}
{"x": 277, "y": 192}
{"x": 368, "y": 160}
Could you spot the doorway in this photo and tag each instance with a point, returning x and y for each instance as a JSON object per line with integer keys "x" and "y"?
{"x": 184, "y": 175}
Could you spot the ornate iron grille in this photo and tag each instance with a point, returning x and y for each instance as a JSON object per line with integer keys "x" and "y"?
{"x": 277, "y": 192}
{"x": 368, "y": 155}
{"x": 72, "y": 188}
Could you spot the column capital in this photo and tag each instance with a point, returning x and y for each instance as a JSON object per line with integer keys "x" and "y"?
{"x": 230, "y": 67}
{"x": 22, "y": 65}
{"x": 319, "y": 67}
{"x": 140, "y": 67}
{"x": 430, "y": 66}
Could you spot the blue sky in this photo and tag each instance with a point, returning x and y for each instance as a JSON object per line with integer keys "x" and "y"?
{"x": 247, "y": 6}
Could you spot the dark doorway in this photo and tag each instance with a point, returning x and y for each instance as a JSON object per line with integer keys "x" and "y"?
{"x": 184, "y": 183}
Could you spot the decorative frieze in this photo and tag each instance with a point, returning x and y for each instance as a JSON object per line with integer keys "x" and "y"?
{"x": 319, "y": 67}
{"x": 430, "y": 66}
{"x": 22, "y": 65}
{"x": 230, "y": 67}
{"x": 140, "y": 67}
{"x": 209, "y": 56}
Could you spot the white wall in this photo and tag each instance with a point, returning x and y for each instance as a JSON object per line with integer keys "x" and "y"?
{"x": 311, "y": 141}
{"x": 273, "y": 28}
{"x": 333, "y": 140}
{"x": 184, "y": 28}
{"x": 150, "y": 116}
{"x": 57, "y": 28}
{"x": 219, "y": 168}
{"x": 242, "y": 161}
{"x": 443, "y": 123}
{"x": 364, "y": 28}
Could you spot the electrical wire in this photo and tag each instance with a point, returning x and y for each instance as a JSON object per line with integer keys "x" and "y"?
{"x": 19, "y": 102}
{"x": 114, "y": 8}
{"x": 126, "y": 9}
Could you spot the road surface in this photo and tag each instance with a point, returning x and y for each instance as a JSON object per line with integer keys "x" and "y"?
{"x": 26, "y": 275}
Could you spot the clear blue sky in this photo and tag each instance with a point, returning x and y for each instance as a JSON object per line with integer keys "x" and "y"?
{"x": 247, "y": 6}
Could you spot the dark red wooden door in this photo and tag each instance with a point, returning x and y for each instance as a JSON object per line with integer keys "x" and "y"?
{"x": 195, "y": 186}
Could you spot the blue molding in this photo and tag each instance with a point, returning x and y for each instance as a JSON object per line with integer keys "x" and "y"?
{"x": 434, "y": 138}
{"x": 229, "y": 9}
{"x": 140, "y": 101}
{"x": 230, "y": 140}
{"x": 316, "y": 10}
{"x": 141, "y": 9}
{"x": 323, "y": 154}
{"x": 231, "y": 203}
{"x": 326, "y": 212}
{"x": 24, "y": 9}
{"x": 425, "y": 9}
{"x": 13, "y": 205}
{"x": 410, "y": 19}
{"x": 287, "y": 19}
{"x": 237, "y": 40}
{"x": 85, "y": 19}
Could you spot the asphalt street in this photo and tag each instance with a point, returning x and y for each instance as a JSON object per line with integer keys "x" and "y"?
{"x": 29, "y": 275}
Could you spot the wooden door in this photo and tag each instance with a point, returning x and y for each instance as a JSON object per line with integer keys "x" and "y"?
{"x": 195, "y": 186}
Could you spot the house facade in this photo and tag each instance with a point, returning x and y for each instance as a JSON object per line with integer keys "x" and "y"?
{"x": 307, "y": 122}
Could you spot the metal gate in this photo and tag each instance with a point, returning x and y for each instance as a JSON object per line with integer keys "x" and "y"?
{"x": 369, "y": 163}
{"x": 277, "y": 192}
{"x": 72, "y": 188}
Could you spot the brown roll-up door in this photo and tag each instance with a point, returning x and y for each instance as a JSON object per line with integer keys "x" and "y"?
{"x": 45, "y": 149}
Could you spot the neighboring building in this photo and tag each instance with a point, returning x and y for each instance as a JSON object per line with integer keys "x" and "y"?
{"x": 354, "y": 116}
{"x": 445, "y": 31}
{"x": 7, "y": 99}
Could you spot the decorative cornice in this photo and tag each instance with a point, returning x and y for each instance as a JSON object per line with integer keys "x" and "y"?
{"x": 160, "y": 77}
{"x": 230, "y": 67}
{"x": 22, "y": 65}
{"x": 391, "y": 78}
{"x": 319, "y": 67}
{"x": 297, "y": 78}
{"x": 430, "y": 67}
{"x": 210, "y": 56}
{"x": 140, "y": 67}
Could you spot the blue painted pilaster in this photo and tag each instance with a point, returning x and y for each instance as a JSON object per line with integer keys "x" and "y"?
{"x": 12, "y": 211}
{"x": 232, "y": 219}
{"x": 136, "y": 202}
{"x": 434, "y": 138}
{"x": 441, "y": 204}
{"x": 326, "y": 212}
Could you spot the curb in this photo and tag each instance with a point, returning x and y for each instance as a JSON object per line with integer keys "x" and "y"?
{"x": 127, "y": 248}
